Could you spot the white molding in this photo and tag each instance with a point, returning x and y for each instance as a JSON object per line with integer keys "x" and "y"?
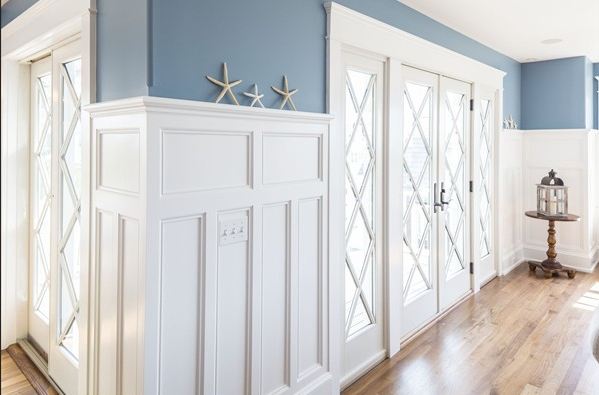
{"x": 182, "y": 107}
{"x": 358, "y": 30}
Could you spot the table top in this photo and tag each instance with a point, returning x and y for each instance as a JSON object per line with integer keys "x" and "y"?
{"x": 568, "y": 218}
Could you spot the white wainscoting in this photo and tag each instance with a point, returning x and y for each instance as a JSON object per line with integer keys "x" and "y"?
{"x": 526, "y": 156}
{"x": 210, "y": 250}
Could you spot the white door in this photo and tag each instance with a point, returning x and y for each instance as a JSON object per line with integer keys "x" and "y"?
{"x": 40, "y": 204}
{"x": 55, "y": 203}
{"x": 453, "y": 168}
{"x": 435, "y": 202}
{"x": 482, "y": 174}
{"x": 364, "y": 304}
{"x": 419, "y": 258}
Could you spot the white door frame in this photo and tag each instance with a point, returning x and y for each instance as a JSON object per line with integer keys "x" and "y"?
{"x": 350, "y": 29}
{"x": 46, "y": 25}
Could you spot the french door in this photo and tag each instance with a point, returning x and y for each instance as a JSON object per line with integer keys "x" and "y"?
{"x": 55, "y": 208}
{"x": 364, "y": 302}
{"x": 436, "y": 204}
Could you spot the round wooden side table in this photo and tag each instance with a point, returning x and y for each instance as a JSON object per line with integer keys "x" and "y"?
{"x": 551, "y": 265}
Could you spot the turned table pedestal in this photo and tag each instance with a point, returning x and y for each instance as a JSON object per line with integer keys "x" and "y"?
{"x": 551, "y": 265}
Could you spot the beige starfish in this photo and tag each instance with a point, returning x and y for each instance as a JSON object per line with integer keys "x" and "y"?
{"x": 286, "y": 94}
{"x": 255, "y": 96}
{"x": 226, "y": 85}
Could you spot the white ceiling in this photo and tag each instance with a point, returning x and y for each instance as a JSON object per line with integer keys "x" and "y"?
{"x": 517, "y": 27}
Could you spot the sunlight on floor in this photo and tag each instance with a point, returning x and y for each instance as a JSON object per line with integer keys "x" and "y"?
{"x": 590, "y": 300}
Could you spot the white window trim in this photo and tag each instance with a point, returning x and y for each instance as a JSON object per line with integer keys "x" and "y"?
{"x": 349, "y": 30}
{"x": 44, "y": 26}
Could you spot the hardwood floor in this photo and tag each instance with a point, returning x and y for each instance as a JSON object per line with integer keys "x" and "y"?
{"x": 13, "y": 381}
{"x": 521, "y": 334}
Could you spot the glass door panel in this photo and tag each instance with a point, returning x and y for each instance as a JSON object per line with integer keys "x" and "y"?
{"x": 63, "y": 361}
{"x": 419, "y": 142}
{"x": 364, "y": 323}
{"x": 454, "y": 142}
{"x": 40, "y": 202}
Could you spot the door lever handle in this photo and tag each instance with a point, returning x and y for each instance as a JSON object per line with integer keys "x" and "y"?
{"x": 436, "y": 204}
{"x": 442, "y": 197}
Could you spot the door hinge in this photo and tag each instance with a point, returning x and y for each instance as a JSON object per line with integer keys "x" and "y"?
{"x": 471, "y": 186}
{"x": 471, "y": 104}
{"x": 471, "y": 267}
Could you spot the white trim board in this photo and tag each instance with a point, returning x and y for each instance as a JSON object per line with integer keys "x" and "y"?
{"x": 352, "y": 28}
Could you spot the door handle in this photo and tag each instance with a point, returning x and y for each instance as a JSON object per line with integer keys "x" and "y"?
{"x": 442, "y": 197}
{"x": 437, "y": 204}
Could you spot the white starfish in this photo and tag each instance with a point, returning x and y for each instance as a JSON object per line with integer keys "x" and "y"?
{"x": 286, "y": 94}
{"x": 255, "y": 96}
{"x": 226, "y": 85}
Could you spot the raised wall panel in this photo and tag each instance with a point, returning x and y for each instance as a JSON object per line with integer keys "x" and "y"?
{"x": 180, "y": 305}
{"x": 290, "y": 158}
{"x": 129, "y": 305}
{"x": 118, "y": 160}
{"x": 232, "y": 339}
{"x": 309, "y": 287}
{"x": 107, "y": 302}
{"x": 275, "y": 298}
{"x": 195, "y": 161}
{"x": 220, "y": 239}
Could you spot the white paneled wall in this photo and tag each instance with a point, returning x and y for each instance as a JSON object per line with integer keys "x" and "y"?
{"x": 526, "y": 156}
{"x": 210, "y": 257}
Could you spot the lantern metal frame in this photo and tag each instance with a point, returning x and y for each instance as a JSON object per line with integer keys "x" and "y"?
{"x": 552, "y": 196}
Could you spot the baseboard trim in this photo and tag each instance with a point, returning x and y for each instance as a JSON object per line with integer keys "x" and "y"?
{"x": 582, "y": 262}
{"x": 36, "y": 377}
{"x": 362, "y": 369}
{"x": 512, "y": 261}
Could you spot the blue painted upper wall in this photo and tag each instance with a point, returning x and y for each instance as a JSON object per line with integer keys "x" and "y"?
{"x": 13, "y": 9}
{"x": 554, "y": 94}
{"x": 262, "y": 39}
{"x": 165, "y": 48}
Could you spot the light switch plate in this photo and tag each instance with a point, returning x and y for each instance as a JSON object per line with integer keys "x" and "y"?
{"x": 233, "y": 230}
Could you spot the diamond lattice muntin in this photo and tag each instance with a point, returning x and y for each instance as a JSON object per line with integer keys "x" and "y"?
{"x": 69, "y": 169}
{"x": 417, "y": 179}
{"x": 42, "y": 163}
{"x": 484, "y": 173}
{"x": 359, "y": 201}
{"x": 454, "y": 153}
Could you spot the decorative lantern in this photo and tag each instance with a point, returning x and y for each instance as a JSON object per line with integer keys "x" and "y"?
{"x": 552, "y": 196}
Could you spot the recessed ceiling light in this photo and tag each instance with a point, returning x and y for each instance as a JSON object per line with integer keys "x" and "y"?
{"x": 552, "y": 41}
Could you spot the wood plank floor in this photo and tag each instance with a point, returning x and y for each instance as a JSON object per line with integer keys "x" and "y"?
{"x": 13, "y": 381}
{"x": 521, "y": 334}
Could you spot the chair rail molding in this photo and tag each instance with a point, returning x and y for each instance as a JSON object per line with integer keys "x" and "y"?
{"x": 210, "y": 267}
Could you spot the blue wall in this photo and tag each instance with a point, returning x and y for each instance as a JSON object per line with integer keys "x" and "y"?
{"x": 554, "y": 94}
{"x": 122, "y": 49}
{"x": 165, "y": 48}
{"x": 13, "y": 9}
{"x": 262, "y": 39}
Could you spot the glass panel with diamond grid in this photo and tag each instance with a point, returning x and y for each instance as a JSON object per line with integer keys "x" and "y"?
{"x": 484, "y": 169}
{"x": 69, "y": 170}
{"x": 359, "y": 201}
{"x": 42, "y": 195}
{"x": 454, "y": 153}
{"x": 417, "y": 191}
